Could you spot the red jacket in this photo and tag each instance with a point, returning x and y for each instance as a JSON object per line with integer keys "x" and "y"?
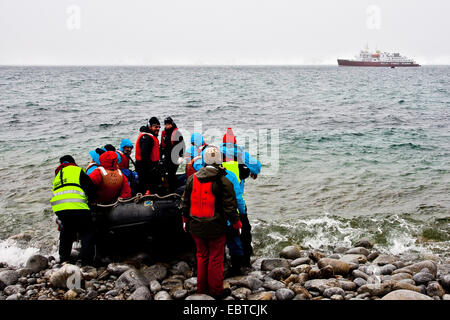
{"x": 108, "y": 178}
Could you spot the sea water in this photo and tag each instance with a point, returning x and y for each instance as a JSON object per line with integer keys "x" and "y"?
{"x": 354, "y": 152}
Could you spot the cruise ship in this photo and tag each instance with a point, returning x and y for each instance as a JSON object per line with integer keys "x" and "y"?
{"x": 378, "y": 59}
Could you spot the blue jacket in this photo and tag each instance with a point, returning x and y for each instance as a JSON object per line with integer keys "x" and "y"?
{"x": 231, "y": 150}
{"x": 196, "y": 142}
{"x": 95, "y": 157}
{"x": 237, "y": 189}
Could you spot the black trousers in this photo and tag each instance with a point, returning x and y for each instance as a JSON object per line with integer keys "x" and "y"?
{"x": 73, "y": 223}
{"x": 172, "y": 176}
{"x": 246, "y": 239}
{"x": 148, "y": 177}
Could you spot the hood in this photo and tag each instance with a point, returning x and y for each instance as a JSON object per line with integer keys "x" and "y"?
{"x": 209, "y": 173}
{"x": 125, "y": 143}
{"x": 95, "y": 156}
{"x": 109, "y": 160}
{"x": 197, "y": 139}
{"x": 63, "y": 165}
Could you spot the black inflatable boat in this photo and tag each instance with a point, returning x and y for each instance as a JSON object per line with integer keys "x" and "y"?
{"x": 150, "y": 224}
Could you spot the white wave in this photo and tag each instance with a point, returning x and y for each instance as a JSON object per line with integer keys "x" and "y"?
{"x": 13, "y": 255}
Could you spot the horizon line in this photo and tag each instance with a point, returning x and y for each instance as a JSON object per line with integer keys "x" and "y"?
{"x": 184, "y": 65}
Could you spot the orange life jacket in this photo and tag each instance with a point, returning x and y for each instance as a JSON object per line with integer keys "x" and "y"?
{"x": 202, "y": 199}
{"x": 111, "y": 186}
{"x": 154, "y": 156}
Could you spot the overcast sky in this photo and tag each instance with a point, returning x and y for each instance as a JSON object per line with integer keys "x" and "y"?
{"x": 153, "y": 32}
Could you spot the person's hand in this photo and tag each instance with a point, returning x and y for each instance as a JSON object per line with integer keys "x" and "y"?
{"x": 180, "y": 160}
{"x": 254, "y": 176}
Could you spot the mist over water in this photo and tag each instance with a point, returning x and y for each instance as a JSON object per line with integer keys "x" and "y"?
{"x": 364, "y": 152}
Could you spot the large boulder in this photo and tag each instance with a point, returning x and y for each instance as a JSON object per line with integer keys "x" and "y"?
{"x": 401, "y": 276}
{"x": 241, "y": 293}
{"x": 163, "y": 295}
{"x": 13, "y": 289}
{"x": 68, "y": 276}
{"x": 321, "y": 284}
{"x": 118, "y": 268}
{"x": 284, "y": 294}
{"x": 339, "y": 267}
{"x": 272, "y": 263}
{"x": 132, "y": 279}
{"x": 435, "y": 289}
{"x": 445, "y": 281}
{"x": 291, "y": 252}
{"x": 377, "y": 289}
{"x": 383, "y": 259}
{"x": 180, "y": 268}
{"x": 366, "y": 243}
{"x": 423, "y": 277}
{"x": 403, "y": 285}
{"x": 347, "y": 285}
{"x": 354, "y": 258}
{"x": 280, "y": 273}
{"x": 37, "y": 263}
{"x": 250, "y": 282}
{"x": 405, "y": 295}
{"x": 273, "y": 285}
{"x": 141, "y": 293}
{"x": 172, "y": 284}
{"x": 190, "y": 284}
{"x": 300, "y": 261}
{"x": 316, "y": 255}
{"x": 329, "y": 292}
{"x": 358, "y": 250}
{"x": 417, "y": 267}
{"x": 7, "y": 278}
{"x": 155, "y": 286}
{"x": 155, "y": 272}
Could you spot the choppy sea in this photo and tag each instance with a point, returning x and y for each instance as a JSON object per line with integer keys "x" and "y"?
{"x": 347, "y": 153}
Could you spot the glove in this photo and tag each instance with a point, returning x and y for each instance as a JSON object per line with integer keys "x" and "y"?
{"x": 254, "y": 176}
{"x": 238, "y": 226}
{"x": 185, "y": 221}
{"x": 180, "y": 160}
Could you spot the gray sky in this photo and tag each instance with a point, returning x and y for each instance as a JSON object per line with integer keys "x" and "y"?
{"x": 79, "y": 32}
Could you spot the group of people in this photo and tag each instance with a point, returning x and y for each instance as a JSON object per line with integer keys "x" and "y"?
{"x": 213, "y": 206}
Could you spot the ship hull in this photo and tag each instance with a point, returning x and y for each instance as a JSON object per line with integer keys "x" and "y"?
{"x": 353, "y": 63}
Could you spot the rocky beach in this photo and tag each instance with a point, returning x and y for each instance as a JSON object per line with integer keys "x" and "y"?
{"x": 357, "y": 273}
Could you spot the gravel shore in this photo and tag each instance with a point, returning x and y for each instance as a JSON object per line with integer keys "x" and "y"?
{"x": 358, "y": 273}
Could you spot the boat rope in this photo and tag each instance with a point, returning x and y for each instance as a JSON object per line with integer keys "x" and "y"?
{"x": 137, "y": 198}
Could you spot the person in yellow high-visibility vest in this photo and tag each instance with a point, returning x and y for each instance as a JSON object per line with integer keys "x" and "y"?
{"x": 72, "y": 188}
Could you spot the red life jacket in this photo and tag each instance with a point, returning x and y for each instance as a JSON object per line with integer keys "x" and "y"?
{"x": 154, "y": 156}
{"x": 125, "y": 162}
{"x": 172, "y": 138}
{"x": 111, "y": 186}
{"x": 190, "y": 167}
{"x": 202, "y": 199}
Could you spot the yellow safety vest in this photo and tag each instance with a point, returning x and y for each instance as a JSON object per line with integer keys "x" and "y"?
{"x": 232, "y": 166}
{"x": 67, "y": 191}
